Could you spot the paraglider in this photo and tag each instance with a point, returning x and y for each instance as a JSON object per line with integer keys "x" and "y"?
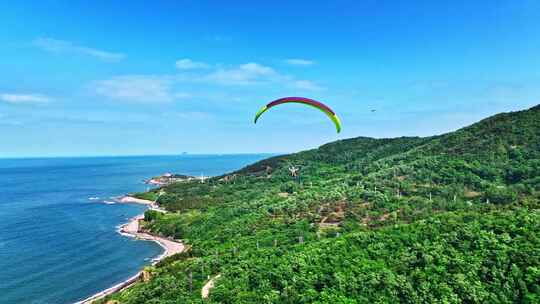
{"x": 310, "y": 102}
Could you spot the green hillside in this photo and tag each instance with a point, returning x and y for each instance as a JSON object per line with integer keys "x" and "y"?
{"x": 445, "y": 219}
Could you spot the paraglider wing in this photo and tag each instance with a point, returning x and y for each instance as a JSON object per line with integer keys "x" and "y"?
{"x": 310, "y": 102}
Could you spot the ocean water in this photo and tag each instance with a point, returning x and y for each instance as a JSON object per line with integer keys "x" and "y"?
{"x": 58, "y": 239}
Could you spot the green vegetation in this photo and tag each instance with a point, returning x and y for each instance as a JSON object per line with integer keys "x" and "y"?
{"x": 445, "y": 219}
{"x": 149, "y": 196}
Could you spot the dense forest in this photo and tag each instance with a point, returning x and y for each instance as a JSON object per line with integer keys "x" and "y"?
{"x": 445, "y": 219}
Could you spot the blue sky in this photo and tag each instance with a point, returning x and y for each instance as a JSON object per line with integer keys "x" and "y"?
{"x": 123, "y": 78}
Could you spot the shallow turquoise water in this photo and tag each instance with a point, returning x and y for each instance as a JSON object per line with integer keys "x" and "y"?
{"x": 57, "y": 245}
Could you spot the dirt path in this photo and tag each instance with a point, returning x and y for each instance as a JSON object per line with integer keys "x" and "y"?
{"x": 205, "y": 291}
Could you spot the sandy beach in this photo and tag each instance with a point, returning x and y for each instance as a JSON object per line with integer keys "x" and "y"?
{"x": 131, "y": 229}
{"x": 130, "y": 199}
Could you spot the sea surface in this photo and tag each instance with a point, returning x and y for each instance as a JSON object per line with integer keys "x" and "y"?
{"x": 58, "y": 221}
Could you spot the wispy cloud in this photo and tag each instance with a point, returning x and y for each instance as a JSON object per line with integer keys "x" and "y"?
{"x": 218, "y": 38}
{"x": 8, "y": 121}
{"x": 257, "y": 74}
{"x": 305, "y": 85}
{"x": 172, "y": 87}
{"x": 23, "y": 98}
{"x": 182, "y": 95}
{"x": 136, "y": 88}
{"x": 63, "y": 46}
{"x": 189, "y": 115}
{"x": 300, "y": 62}
{"x": 245, "y": 74}
{"x": 188, "y": 64}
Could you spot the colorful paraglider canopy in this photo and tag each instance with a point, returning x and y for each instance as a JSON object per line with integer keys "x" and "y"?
{"x": 310, "y": 102}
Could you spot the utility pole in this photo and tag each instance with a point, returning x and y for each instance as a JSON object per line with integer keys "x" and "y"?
{"x": 190, "y": 281}
{"x": 202, "y": 270}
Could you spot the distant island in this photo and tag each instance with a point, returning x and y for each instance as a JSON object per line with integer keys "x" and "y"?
{"x": 453, "y": 218}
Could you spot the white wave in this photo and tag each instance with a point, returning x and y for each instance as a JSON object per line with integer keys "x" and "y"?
{"x": 109, "y": 202}
{"x": 93, "y": 198}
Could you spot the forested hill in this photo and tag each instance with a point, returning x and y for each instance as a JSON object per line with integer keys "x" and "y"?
{"x": 499, "y": 140}
{"x": 444, "y": 219}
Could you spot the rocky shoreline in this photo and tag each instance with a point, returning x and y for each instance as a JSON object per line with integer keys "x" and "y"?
{"x": 169, "y": 178}
{"x": 132, "y": 229}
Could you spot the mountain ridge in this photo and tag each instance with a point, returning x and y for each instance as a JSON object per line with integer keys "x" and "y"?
{"x": 449, "y": 218}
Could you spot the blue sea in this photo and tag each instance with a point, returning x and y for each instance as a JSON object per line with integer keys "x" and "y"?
{"x": 58, "y": 222}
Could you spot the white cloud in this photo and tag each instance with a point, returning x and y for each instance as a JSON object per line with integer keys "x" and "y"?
{"x": 136, "y": 88}
{"x": 182, "y": 95}
{"x": 298, "y": 61}
{"x": 23, "y": 98}
{"x": 63, "y": 46}
{"x": 305, "y": 85}
{"x": 166, "y": 88}
{"x": 190, "y": 115}
{"x": 218, "y": 38}
{"x": 256, "y": 74}
{"x": 245, "y": 74}
{"x": 188, "y": 64}
{"x": 7, "y": 121}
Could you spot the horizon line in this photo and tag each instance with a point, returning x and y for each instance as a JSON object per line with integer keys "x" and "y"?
{"x": 139, "y": 155}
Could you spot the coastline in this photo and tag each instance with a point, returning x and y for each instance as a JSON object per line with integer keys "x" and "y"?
{"x": 127, "y": 199}
{"x": 132, "y": 229}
